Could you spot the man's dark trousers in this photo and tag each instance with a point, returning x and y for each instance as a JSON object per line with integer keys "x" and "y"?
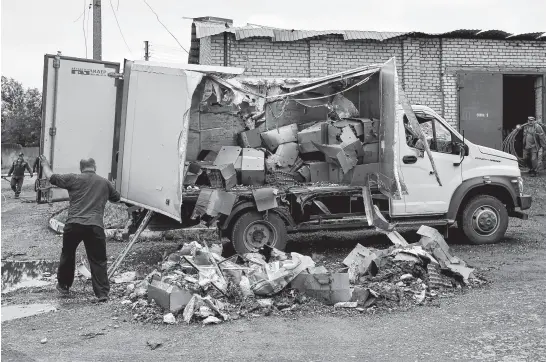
{"x": 16, "y": 184}
{"x": 95, "y": 246}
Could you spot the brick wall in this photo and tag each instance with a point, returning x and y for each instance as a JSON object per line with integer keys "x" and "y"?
{"x": 427, "y": 66}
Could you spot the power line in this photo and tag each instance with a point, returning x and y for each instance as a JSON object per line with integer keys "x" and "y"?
{"x": 119, "y": 27}
{"x": 157, "y": 16}
{"x": 87, "y": 25}
{"x": 83, "y": 26}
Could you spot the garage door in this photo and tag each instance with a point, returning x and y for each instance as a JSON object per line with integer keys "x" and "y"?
{"x": 480, "y": 108}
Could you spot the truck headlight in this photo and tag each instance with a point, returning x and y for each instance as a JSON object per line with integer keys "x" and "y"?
{"x": 519, "y": 184}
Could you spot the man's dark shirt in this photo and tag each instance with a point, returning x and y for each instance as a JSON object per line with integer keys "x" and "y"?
{"x": 18, "y": 168}
{"x": 88, "y": 193}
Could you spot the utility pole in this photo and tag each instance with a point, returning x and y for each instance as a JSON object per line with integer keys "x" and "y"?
{"x": 97, "y": 30}
{"x": 146, "y": 50}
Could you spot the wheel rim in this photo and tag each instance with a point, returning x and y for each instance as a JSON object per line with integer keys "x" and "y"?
{"x": 259, "y": 233}
{"x": 485, "y": 220}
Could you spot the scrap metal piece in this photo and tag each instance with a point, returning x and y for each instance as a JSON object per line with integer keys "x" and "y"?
{"x": 318, "y": 171}
{"x": 222, "y": 176}
{"x": 305, "y": 172}
{"x": 278, "y": 136}
{"x": 322, "y": 207}
{"x": 265, "y": 198}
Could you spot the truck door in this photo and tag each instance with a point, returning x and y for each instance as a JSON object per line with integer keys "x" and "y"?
{"x": 425, "y": 196}
{"x": 78, "y": 117}
{"x": 154, "y": 135}
{"x": 480, "y": 108}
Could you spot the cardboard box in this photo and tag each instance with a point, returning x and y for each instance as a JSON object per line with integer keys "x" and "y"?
{"x": 250, "y": 138}
{"x": 317, "y": 133}
{"x": 168, "y": 296}
{"x": 286, "y": 154}
{"x": 338, "y": 155}
{"x": 227, "y": 155}
{"x": 329, "y": 287}
{"x": 278, "y": 136}
{"x": 213, "y": 202}
{"x": 359, "y": 174}
{"x": 319, "y": 171}
{"x": 252, "y": 167}
{"x": 371, "y": 153}
{"x": 222, "y": 176}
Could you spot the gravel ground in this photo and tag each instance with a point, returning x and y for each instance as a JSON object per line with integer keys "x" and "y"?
{"x": 503, "y": 321}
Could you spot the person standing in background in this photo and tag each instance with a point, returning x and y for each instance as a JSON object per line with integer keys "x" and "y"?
{"x": 18, "y": 170}
{"x": 533, "y": 139}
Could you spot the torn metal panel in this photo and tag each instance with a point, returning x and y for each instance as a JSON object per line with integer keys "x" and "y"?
{"x": 227, "y": 155}
{"x": 253, "y": 167}
{"x": 355, "y": 124}
{"x": 265, "y": 198}
{"x": 278, "y": 136}
{"x": 387, "y": 131}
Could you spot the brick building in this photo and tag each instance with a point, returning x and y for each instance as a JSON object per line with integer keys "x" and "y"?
{"x": 484, "y": 82}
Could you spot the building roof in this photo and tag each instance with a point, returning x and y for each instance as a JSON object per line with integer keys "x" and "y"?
{"x": 206, "y": 28}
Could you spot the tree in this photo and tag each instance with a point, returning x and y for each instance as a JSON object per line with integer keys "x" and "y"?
{"x": 21, "y": 113}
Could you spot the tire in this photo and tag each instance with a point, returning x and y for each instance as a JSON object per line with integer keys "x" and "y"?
{"x": 251, "y": 224}
{"x": 484, "y": 220}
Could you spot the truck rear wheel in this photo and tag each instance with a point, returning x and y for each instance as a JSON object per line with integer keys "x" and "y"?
{"x": 251, "y": 232}
{"x": 484, "y": 220}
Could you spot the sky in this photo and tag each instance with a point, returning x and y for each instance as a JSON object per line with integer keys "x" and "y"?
{"x": 32, "y": 28}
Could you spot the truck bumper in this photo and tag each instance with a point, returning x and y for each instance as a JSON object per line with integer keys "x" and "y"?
{"x": 524, "y": 202}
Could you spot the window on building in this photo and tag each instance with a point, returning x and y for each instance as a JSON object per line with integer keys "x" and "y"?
{"x": 439, "y": 138}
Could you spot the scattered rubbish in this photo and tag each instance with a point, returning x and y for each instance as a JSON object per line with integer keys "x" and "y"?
{"x": 126, "y": 277}
{"x": 89, "y": 335}
{"x": 211, "y": 320}
{"x": 153, "y": 344}
{"x": 169, "y": 318}
{"x": 43, "y": 341}
{"x": 346, "y": 305}
{"x": 198, "y": 285}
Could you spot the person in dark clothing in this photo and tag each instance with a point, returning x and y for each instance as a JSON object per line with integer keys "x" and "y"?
{"x": 88, "y": 194}
{"x": 36, "y": 165}
{"x": 18, "y": 170}
{"x": 533, "y": 139}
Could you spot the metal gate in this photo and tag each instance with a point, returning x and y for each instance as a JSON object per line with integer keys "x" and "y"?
{"x": 480, "y": 108}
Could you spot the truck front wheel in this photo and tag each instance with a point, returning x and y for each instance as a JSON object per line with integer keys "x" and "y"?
{"x": 251, "y": 232}
{"x": 484, "y": 220}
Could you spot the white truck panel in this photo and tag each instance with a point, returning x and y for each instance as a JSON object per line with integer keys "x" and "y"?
{"x": 154, "y": 136}
{"x": 79, "y": 105}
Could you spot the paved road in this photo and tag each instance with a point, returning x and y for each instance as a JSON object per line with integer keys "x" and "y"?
{"x": 504, "y": 321}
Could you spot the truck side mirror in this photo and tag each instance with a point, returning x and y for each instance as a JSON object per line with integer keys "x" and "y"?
{"x": 460, "y": 149}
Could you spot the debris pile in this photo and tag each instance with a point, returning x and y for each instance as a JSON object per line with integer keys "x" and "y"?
{"x": 196, "y": 284}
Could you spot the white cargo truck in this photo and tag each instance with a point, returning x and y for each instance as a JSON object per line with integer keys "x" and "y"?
{"x": 145, "y": 125}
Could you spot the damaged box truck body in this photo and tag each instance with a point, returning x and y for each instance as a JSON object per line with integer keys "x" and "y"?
{"x": 263, "y": 157}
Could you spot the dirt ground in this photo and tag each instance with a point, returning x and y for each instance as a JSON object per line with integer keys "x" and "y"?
{"x": 504, "y": 321}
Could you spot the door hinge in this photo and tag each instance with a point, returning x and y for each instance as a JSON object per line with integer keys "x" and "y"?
{"x": 57, "y": 60}
{"x": 52, "y": 131}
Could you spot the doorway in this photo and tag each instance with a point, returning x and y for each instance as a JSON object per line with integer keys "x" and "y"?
{"x": 518, "y": 104}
